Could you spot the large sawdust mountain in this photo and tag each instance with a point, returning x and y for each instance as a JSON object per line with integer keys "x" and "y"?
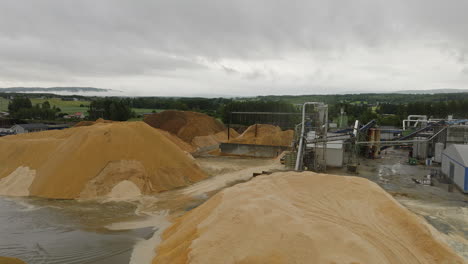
{"x": 176, "y": 140}
{"x": 302, "y": 218}
{"x": 264, "y": 134}
{"x": 184, "y": 124}
{"x": 89, "y": 161}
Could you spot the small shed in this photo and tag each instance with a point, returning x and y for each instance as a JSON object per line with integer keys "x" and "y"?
{"x": 28, "y": 128}
{"x": 335, "y": 149}
{"x": 334, "y": 153}
{"x": 455, "y": 165}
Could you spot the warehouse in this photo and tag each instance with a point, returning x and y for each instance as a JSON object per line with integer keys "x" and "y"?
{"x": 28, "y": 128}
{"x": 455, "y": 165}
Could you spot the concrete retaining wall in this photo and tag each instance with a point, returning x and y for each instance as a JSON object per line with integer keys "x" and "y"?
{"x": 251, "y": 150}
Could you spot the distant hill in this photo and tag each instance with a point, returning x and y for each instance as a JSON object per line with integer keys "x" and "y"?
{"x": 53, "y": 90}
{"x": 432, "y": 91}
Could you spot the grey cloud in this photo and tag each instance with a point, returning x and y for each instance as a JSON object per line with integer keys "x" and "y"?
{"x": 152, "y": 37}
{"x": 256, "y": 74}
{"x": 464, "y": 71}
{"x": 216, "y": 28}
{"x": 229, "y": 70}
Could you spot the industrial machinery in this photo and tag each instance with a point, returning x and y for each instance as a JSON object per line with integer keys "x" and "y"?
{"x": 311, "y": 151}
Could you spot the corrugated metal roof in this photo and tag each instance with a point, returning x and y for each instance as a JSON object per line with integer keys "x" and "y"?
{"x": 33, "y": 126}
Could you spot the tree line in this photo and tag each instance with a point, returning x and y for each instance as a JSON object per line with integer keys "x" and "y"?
{"x": 22, "y": 108}
{"x": 441, "y": 109}
{"x": 365, "y": 98}
{"x": 110, "y": 109}
{"x": 211, "y": 106}
{"x": 386, "y": 113}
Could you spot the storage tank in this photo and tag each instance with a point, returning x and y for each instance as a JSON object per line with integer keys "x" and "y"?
{"x": 420, "y": 148}
{"x": 439, "y": 147}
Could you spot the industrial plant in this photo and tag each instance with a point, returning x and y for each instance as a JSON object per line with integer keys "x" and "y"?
{"x": 319, "y": 146}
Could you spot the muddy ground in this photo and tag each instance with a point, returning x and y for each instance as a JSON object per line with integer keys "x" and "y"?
{"x": 445, "y": 211}
{"x": 88, "y": 223}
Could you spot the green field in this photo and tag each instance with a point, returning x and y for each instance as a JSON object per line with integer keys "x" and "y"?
{"x": 140, "y": 111}
{"x": 69, "y": 107}
{"x": 4, "y": 104}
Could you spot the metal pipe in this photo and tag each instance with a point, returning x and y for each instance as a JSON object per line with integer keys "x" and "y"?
{"x": 389, "y": 142}
{"x": 325, "y": 137}
{"x": 418, "y": 116}
{"x": 409, "y": 121}
{"x": 329, "y": 139}
{"x": 424, "y": 117}
{"x": 356, "y": 128}
{"x": 436, "y": 134}
{"x": 301, "y": 140}
{"x": 430, "y": 121}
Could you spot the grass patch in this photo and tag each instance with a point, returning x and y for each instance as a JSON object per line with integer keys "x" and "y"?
{"x": 135, "y": 119}
{"x": 4, "y": 104}
{"x": 141, "y": 111}
{"x": 69, "y": 107}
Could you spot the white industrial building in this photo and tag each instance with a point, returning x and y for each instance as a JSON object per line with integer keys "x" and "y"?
{"x": 455, "y": 165}
{"x": 334, "y": 152}
{"x": 28, "y": 128}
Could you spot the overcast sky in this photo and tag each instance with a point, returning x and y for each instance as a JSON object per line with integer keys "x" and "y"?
{"x": 241, "y": 47}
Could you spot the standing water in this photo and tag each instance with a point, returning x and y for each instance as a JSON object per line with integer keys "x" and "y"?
{"x": 89, "y": 232}
{"x": 50, "y": 231}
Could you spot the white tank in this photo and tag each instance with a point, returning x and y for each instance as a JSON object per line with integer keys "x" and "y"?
{"x": 439, "y": 147}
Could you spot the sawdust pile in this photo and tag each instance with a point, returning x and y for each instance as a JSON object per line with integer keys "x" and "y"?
{"x": 302, "y": 218}
{"x": 90, "y": 123}
{"x": 179, "y": 142}
{"x": 176, "y": 140}
{"x": 17, "y": 183}
{"x": 214, "y": 140}
{"x": 8, "y": 260}
{"x": 263, "y": 134}
{"x": 186, "y": 125}
{"x": 89, "y": 161}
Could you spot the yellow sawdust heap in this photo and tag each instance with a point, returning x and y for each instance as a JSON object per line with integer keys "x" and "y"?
{"x": 263, "y": 134}
{"x": 186, "y": 125}
{"x": 90, "y": 123}
{"x": 8, "y": 260}
{"x": 179, "y": 142}
{"x": 89, "y": 161}
{"x": 176, "y": 140}
{"x": 215, "y": 139}
{"x": 302, "y": 218}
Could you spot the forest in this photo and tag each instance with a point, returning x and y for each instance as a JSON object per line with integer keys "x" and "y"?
{"x": 387, "y": 109}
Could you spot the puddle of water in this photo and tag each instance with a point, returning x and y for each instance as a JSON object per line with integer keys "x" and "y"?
{"x": 52, "y": 232}
{"x": 45, "y": 231}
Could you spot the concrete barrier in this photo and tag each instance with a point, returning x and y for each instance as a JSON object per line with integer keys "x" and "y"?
{"x": 251, "y": 150}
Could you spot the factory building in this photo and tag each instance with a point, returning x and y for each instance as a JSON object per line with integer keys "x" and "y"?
{"x": 455, "y": 165}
